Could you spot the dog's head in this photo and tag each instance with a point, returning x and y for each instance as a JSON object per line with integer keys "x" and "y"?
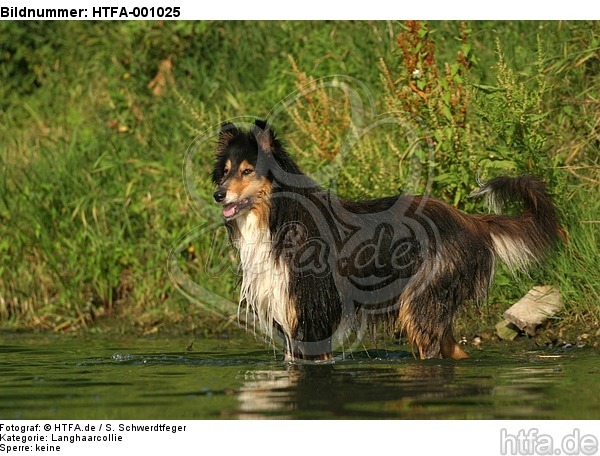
{"x": 243, "y": 168}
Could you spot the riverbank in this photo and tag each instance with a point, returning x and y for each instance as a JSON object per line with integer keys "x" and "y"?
{"x": 95, "y": 212}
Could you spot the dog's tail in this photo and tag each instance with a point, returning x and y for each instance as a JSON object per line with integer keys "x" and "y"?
{"x": 523, "y": 239}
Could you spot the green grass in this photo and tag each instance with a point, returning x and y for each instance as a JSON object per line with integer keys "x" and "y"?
{"x": 97, "y": 119}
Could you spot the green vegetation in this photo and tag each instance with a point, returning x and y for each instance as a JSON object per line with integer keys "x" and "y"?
{"x": 97, "y": 118}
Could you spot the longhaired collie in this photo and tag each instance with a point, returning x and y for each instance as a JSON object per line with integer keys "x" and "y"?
{"x": 315, "y": 267}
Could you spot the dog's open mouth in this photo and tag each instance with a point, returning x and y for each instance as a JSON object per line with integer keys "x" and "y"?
{"x": 232, "y": 210}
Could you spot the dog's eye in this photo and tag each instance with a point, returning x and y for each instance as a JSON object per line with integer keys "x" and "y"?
{"x": 247, "y": 171}
{"x": 226, "y": 171}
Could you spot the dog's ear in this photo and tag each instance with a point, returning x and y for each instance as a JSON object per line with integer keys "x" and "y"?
{"x": 226, "y": 134}
{"x": 265, "y": 137}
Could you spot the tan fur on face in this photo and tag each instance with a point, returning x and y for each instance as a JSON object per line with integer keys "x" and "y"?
{"x": 227, "y": 167}
{"x": 240, "y": 185}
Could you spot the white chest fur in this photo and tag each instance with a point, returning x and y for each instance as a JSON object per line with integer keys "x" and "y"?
{"x": 265, "y": 281}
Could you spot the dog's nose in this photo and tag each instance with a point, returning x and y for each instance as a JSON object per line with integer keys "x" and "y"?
{"x": 219, "y": 195}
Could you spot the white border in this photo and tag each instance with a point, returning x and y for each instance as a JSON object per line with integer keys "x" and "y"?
{"x": 369, "y": 10}
{"x": 290, "y": 438}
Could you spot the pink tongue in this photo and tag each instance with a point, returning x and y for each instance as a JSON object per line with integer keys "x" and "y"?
{"x": 228, "y": 211}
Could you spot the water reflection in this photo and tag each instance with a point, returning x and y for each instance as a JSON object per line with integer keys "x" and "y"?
{"x": 59, "y": 378}
{"x": 369, "y": 391}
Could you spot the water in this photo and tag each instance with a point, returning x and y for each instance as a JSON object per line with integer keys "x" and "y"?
{"x": 52, "y": 377}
